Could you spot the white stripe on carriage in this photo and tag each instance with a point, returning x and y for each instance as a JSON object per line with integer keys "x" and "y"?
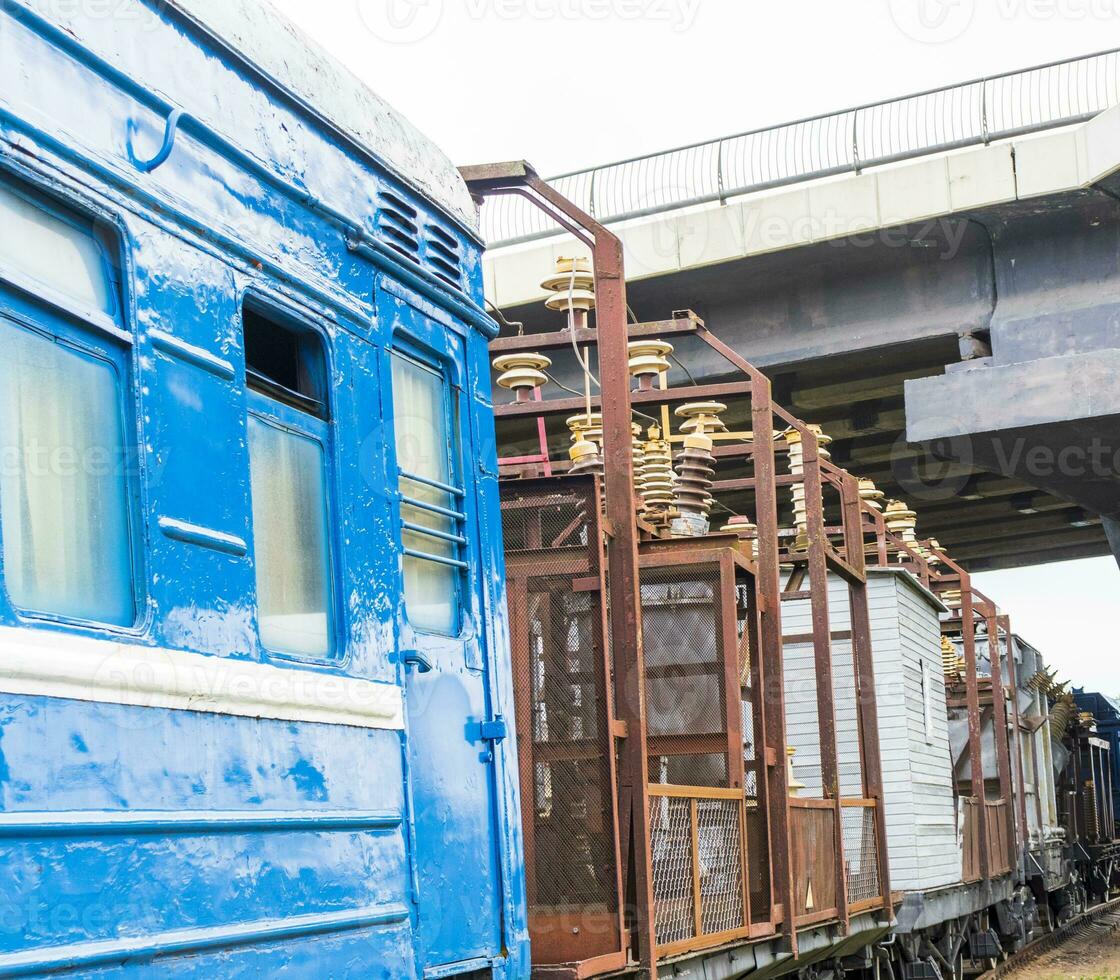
{"x": 61, "y": 665}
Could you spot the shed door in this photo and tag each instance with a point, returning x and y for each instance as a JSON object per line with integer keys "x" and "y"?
{"x": 449, "y": 752}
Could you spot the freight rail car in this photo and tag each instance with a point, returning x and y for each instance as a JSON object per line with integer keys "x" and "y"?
{"x": 253, "y": 679}
{"x": 764, "y": 729}
{"x": 1106, "y": 711}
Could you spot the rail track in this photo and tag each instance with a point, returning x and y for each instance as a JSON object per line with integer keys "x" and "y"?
{"x": 1082, "y": 933}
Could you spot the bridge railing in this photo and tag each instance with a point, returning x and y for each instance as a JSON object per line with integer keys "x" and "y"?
{"x": 973, "y": 113}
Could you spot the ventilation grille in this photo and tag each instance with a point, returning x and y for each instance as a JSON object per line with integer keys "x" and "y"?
{"x": 442, "y": 253}
{"x": 427, "y": 244}
{"x": 397, "y": 222}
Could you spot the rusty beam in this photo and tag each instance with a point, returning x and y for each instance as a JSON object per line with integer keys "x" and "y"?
{"x": 570, "y": 406}
{"x": 975, "y": 740}
{"x": 1013, "y": 673}
{"x": 622, "y": 541}
{"x": 770, "y": 684}
{"x": 822, "y": 652}
{"x": 564, "y": 338}
{"x": 999, "y": 722}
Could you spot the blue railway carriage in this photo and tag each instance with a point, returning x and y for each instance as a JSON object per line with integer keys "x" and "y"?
{"x": 252, "y": 649}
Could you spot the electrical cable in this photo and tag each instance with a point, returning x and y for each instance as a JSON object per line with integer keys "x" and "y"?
{"x": 678, "y": 363}
{"x": 501, "y": 318}
{"x": 583, "y": 363}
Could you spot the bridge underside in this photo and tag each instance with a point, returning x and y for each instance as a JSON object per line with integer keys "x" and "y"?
{"x": 1004, "y": 320}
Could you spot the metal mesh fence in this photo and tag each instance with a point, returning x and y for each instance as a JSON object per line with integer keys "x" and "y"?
{"x": 697, "y": 849}
{"x": 861, "y": 854}
{"x": 720, "y": 845}
{"x": 561, "y": 678}
{"x": 671, "y": 848}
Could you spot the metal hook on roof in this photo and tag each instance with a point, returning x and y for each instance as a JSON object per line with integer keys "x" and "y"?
{"x": 171, "y": 129}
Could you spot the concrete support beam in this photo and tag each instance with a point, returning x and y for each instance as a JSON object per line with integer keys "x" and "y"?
{"x": 1112, "y": 530}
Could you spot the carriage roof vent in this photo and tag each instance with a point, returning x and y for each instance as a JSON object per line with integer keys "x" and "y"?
{"x": 442, "y": 253}
{"x": 397, "y": 223}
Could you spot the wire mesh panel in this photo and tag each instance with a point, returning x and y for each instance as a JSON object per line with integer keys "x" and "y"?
{"x": 695, "y": 659}
{"x": 861, "y": 853}
{"x": 674, "y": 896}
{"x": 697, "y": 847}
{"x": 561, "y": 683}
{"x": 719, "y": 849}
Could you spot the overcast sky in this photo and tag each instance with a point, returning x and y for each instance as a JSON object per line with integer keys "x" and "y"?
{"x": 572, "y": 83}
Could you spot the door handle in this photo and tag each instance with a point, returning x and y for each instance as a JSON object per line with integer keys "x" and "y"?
{"x": 414, "y": 658}
{"x": 494, "y": 730}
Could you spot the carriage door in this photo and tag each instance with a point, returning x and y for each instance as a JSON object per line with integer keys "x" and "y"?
{"x": 450, "y": 733}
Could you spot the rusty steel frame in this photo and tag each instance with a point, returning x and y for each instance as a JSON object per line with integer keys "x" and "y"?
{"x": 586, "y": 563}
{"x": 625, "y": 557}
{"x": 975, "y": 606}
{"x": 622, "y": 533}
{"x": 1004, "y": 622}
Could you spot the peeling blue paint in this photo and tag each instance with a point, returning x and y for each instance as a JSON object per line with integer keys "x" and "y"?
{"x": 266, "y": 847}
{"x": 310, "y": 781}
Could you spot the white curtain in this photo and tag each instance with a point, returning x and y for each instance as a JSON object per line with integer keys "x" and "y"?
{"x": 63, "y": 481}
{"x": 423, "y": 441}
{"x": 290, "y": 540}
{"x": 36, "y": 244}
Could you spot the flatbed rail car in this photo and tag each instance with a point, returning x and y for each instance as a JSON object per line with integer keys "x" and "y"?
{"x": 253, "y": 674}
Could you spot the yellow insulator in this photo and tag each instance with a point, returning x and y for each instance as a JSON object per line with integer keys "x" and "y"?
{"x": 824, "y": 440}
{"x": 793, "y": 783}
{"x": 951, "y": 660}
{"x": 952, "y": 598}
{"x": 901, "y": 520}
{"x": 656, "y": 483}
{"x": 745, "y": 530}
{"x": 585, "y": 453}
{"x": 871, "y": 495}
{"x": 701, "y": 418}
{"x": 522, "y": 372}
{"x": 588, "y": 425}
{"x": 796, "y": 447}
{"x": 637, "y": 454}
{"x": 561, "y": 279}
{"x": 572, "y": 286}
{"x": 649, "y": 358}
{"x": 581, "y": 300}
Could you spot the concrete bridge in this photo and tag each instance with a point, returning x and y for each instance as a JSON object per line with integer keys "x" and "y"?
{"x": 935, "y": 280}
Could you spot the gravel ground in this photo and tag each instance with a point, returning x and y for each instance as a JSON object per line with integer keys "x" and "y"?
{"x": 1092, "y": 955}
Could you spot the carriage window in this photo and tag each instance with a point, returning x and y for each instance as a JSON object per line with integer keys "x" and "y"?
{"x": 431, "y": 501}
{"x": 287, "y": 458}
{"x": 63, "y": 481}
{"x": 65, "y": 254}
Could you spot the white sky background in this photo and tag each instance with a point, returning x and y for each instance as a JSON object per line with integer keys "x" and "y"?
{"x": 571, "y": 83}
